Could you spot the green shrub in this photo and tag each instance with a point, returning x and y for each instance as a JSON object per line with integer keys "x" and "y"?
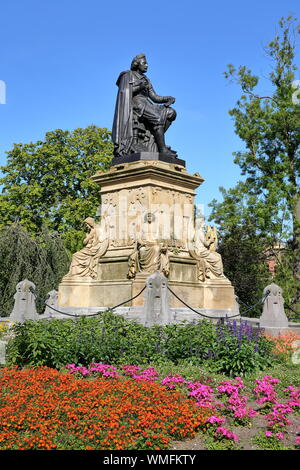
{"x": 107, "y": 338}
{"x": 111, "y": 339}
{"x": 189, "y": 341}
{"x": 241, "y": 349}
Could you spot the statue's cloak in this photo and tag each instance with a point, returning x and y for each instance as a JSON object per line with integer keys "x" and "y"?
{"x": 122, "y": 133}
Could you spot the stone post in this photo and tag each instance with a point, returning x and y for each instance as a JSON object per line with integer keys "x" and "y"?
{"x": 52, "y": 301}
{"x": 273, "y": 318}
{"x": 156, "y": 307}
{"x": 24, "y": 306}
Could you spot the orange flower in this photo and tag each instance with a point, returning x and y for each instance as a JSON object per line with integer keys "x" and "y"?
{"x": 283, "y": 344}
{"x": 43, "y": 408}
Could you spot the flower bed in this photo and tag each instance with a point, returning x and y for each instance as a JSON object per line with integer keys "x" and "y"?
{"x": 43, "y": 408}
{"x": 130, "y": 407}
{"x": 227, "y": 402}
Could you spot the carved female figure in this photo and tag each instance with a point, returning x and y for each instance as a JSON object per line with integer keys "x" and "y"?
{"x": 210, "y": 265}
{"x": 84, "y": 262}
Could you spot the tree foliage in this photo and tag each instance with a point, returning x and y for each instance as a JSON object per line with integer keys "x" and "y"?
{"x": 48, "y": 182}
{"x": 43, "y": 260}
{"x": 263, "y": 210}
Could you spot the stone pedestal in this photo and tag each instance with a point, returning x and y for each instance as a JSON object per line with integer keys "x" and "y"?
{"x": 130, "y": 191}
{"x": 24, "y": 305}
{"x": 273, "y": 319}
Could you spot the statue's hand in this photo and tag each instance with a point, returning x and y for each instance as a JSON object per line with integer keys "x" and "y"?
{"x": 170, "y": 100}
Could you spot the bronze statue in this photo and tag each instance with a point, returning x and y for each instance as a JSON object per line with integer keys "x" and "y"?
{"x": 141, "y": 116}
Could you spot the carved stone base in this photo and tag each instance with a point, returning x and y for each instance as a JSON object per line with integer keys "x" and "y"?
{"x": 210, "y": 295}
{"x": 130, "y": 192}
{"x": 135, "y": 313}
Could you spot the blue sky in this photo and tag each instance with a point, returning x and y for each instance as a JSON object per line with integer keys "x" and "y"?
{"x": 60, "y": 60}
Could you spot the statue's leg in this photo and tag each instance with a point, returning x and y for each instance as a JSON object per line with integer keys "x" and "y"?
{"x": 159, "y": 136}
{"x": 159, "y": 118}
{"x": 171, "y": 116}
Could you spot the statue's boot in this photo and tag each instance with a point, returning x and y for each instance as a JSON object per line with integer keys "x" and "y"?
{"x": 159, "y": 136}
{"x": 170, "y": 150}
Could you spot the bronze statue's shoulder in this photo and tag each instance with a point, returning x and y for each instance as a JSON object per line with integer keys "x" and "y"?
{"x": 122, "y": 74}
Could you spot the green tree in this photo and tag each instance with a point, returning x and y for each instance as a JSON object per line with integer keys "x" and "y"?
{"x": 43, "y": 260}
{"x": 242, "y": 249}
{"x": 48, "y": 182}
{"x": 265, "y": 206}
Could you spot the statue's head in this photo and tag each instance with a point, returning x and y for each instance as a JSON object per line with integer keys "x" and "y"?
{"x": 149, "y": 217}
{"x": 89, "y": 222}
{"x": 139, "y": 62}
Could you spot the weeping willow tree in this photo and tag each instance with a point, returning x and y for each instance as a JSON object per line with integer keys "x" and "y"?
{"x": 42, "y": 259}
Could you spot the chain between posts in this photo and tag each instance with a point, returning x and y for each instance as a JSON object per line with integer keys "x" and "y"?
{"x": 219, "y": 318}
{"x": 109, "y": 309}
{"x": 199, "y": 313}
{"x": 262, "y": 300}
{"x": 173, "y": 293}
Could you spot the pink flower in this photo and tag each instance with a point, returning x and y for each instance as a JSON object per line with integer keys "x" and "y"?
{"x": 226, "y": 433}
{"x": 280, "y": 435}
{"x": 150, "y": 374}
{"x": 264, "y": 390}
{"x": 172, "y": 380}
{"x": 268, "y": 434}
{"x": 104, "y": 369}
{"x": 78, "y": 369}
{"x": 202, "y": 393}
{"x": 216, "y": 420}
{"x": 130, "y": 370}
{"x": 231, "y": 387}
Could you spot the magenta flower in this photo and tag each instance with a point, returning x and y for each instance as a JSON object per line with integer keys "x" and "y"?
{"x": 230, "y": 387}
{"x": 150, "y": 375}
{"x": 172, "y": 380}
{"x": 265, "y": 390}
{"x": 78, "y": 369}
{"x": 216, "y": 420}
{"x": 226, "y": 433}
{"x": 130, "y": 370}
